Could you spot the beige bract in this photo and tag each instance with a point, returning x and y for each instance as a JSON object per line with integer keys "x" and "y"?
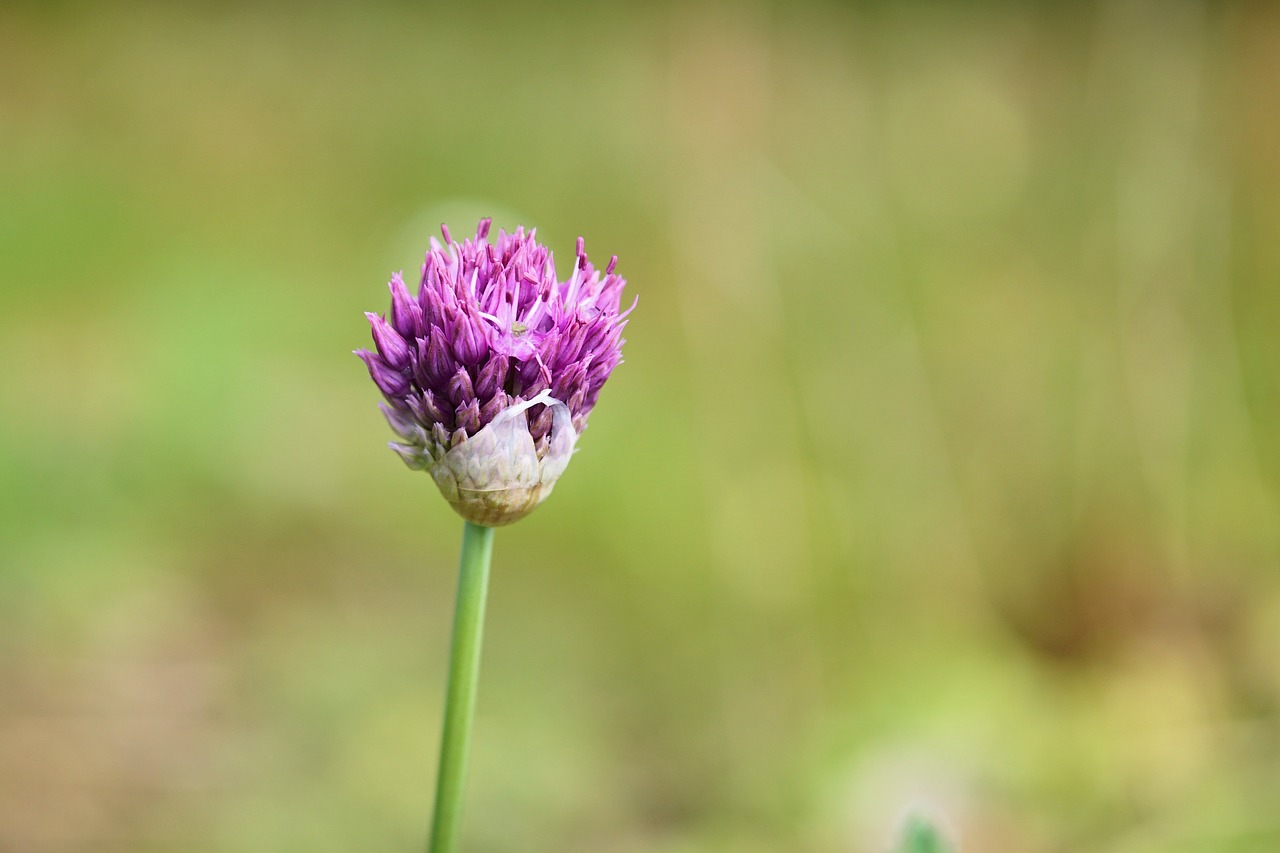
{"x": 496, "y": 476}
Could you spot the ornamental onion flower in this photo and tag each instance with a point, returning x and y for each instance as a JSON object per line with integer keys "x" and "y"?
{"x": 490, "y": 371}
{"x": 488, "y": 374}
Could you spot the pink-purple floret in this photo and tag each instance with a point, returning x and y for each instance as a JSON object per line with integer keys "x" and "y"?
{"x": 491, "y": 326}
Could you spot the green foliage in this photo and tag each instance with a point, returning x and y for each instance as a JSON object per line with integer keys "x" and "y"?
{"x": 919, "y": 836}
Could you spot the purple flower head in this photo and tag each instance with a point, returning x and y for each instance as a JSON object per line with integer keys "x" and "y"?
{"x": 490, "y": 371}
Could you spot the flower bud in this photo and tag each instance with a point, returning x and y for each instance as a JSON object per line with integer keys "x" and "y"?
{"x": 490, "y": 370}
{"x": 390, "y": 345}
{"x": 492, "y": 376}
{"x": 390, "y": 382}
{"x": 468, "y": 339}
{"x": 438, "y": 364}
{"x": 400, "y": 302}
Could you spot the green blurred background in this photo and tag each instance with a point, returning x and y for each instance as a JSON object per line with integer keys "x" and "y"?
{"x": 944, "y": 469}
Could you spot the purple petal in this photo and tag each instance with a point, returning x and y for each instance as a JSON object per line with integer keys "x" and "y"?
{"x": 401, "y": 424}
{"x": 390, "y": 345}
{"x": 468, "y": 417}
{"x": 436, "y": 360}
{"x": 470, "y": 343}
{"x": 492, "y": 376}
{"x": 400, "y": 302}
{"x": 460, "y": 390}
{"x": 540, "y": 423}
{"x": 493, "y": 406}
{"x": 390, "y": 382}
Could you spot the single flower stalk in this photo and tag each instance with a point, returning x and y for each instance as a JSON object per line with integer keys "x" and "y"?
{"x": 488, "y": 374}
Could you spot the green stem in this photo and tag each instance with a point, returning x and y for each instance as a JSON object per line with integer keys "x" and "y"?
{"x": 464, "y": 669}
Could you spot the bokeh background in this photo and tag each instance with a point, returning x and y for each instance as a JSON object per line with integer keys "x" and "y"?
{"x": 943, "y": 472}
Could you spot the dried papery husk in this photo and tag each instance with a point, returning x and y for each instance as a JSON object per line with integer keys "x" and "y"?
{"x": 495, "y": 477}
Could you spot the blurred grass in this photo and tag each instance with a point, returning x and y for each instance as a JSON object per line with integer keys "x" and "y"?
{"x": 919, "y": 836}
{"x": 944, "y": 463}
